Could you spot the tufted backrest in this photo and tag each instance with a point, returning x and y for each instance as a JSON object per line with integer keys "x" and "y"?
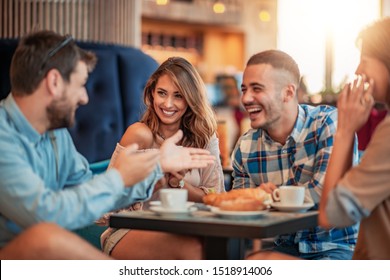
{"x": 7, "y": 49}
{"x": 115, "y": 90}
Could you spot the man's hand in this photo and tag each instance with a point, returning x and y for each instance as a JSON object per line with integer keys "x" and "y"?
{"x": 176, "y": 158}
{"x": 268, "y": 187}
{"x": 162, "y": 183}
{"x": 135, "y": 167}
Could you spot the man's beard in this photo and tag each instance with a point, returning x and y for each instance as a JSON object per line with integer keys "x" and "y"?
{"x": 60, "y": 115}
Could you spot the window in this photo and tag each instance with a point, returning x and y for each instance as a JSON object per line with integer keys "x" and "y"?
{"x": 305, "y": 27}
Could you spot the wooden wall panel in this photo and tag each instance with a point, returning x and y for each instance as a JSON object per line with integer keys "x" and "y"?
{"x": 107, "y": 21}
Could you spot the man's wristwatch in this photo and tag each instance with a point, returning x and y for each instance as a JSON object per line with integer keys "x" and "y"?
{"x": 175, "y": 183}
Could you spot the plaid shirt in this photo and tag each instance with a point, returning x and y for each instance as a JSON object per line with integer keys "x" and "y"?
{"x": 302, "y": 160}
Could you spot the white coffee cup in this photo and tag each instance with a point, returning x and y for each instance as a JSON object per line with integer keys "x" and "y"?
{"x": 289, "y": 195}
{"x": 174, "y": 199}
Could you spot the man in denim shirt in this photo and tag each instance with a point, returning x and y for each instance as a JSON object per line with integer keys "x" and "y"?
{"x": 43, "y": 179}
{"x": 289, "y": 144}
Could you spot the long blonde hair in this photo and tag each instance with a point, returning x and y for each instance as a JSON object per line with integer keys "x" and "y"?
{"x": 198, "y": 122}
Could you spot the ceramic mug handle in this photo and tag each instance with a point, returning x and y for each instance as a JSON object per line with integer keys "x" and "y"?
{"x": 276, "y": 195}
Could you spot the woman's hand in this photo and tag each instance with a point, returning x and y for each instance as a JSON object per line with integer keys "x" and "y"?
{"x": 175, "y": 158}
{"x": 354, "y": 105}
{"x": 175, "y": 179}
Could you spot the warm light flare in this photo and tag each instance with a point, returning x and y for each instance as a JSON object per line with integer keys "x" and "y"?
{"x": 264, "y": 16}
{"x": 305, "y": 26}
{"x": 219, "y": 8}
{"x": 162, "y": 2}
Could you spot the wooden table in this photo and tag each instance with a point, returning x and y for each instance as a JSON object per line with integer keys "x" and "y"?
{"x": 218, "y": 232}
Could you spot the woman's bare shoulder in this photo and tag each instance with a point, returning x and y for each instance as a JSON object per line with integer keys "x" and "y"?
{"x": 138, "y": 133}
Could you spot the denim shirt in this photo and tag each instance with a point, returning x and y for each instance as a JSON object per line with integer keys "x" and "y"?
{"x": 44, "y": 178}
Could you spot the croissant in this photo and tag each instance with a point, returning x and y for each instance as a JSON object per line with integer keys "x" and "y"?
{"x": 248, "y": 199}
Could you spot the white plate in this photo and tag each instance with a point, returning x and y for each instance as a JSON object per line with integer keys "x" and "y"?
{"x": 158, "y": 203}
{"x": 237, "y": 214}
{"x": 290, "y": 208}
{"x": 164, "y": 211}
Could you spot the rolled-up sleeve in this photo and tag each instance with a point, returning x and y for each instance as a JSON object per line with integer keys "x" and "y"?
{"x": 343, "y": 208}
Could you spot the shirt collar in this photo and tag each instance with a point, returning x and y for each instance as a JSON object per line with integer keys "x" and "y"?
{"x": 21, "y": 123}
{"x": 295, "y": 133}
{"x": 299, "y": 124}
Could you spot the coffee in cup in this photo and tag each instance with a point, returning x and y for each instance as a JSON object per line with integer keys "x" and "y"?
{"x": 174, "y": 199}
{"x": 289, "y": 195}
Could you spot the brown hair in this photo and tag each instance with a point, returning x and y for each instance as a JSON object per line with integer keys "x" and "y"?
{"x": 41, "y": 51}
{"x": 374, "y": 41}
{"x": 278, "y": 60}
{"x": 198, "y": 123}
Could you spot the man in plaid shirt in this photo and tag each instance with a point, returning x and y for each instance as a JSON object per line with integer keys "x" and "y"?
{"x": 289, "y": 144}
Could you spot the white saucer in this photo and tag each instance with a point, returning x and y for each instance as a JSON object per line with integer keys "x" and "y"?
{"x": 237, "y": 214}
{"x": 158, "y": 203}
{"x": 165, "y": 211}
{"x": 290, "y": 208}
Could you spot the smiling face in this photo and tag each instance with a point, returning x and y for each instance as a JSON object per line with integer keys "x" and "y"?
{"x": 377, "y": 70}
{"x": 169, "y": 104}
{"x": 61, "y": 112}
{"x": 262, "y": 95}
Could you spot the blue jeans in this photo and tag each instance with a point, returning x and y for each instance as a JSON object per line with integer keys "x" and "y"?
{"x": 334, "y": 254}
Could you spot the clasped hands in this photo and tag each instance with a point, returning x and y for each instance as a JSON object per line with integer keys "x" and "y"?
{"x": 171, "y": 180}
{"x": 135, "y": 167}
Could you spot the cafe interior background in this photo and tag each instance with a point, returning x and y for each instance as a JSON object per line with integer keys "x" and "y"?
{"x": 217, "y": 36}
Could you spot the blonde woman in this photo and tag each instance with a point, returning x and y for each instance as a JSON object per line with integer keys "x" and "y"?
{"x": 175, "y": 99}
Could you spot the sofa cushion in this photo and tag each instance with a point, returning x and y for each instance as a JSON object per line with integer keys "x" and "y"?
{"x": 7, "y": 49}
{"x": 137, "y": 66}
{"x": 99, "y": 124}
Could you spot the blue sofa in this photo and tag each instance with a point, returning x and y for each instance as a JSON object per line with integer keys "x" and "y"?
{"x": 115, "y": 90}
